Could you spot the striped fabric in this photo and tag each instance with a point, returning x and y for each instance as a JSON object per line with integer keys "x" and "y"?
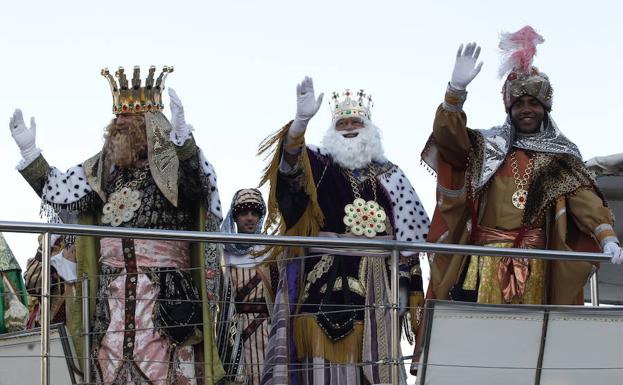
{"x": 280, "y": 350}
{"x": 318, "y": 371}
{"x": 281, "y": 366}
{"x": 254, "y": 326}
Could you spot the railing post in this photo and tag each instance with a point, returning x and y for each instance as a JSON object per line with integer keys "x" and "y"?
{"x": 86, "y": 327}
{"x": 595, "y": 288}
{"x": 395, "y": 319}
{"x": 45, "y": 309}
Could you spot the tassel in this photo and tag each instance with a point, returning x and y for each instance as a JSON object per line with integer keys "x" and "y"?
{"x": 312, "y": 219}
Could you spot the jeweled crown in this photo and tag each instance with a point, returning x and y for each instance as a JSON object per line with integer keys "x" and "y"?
{"x": 131, "y": 98}
{"x": 534, "y": 83}
{"x": 518, "y": 50}
{"x": 350, "y": 105}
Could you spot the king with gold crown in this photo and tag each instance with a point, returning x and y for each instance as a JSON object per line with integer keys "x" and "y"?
{"x": 345, "y": 188}
{"x": 151, "y": 301}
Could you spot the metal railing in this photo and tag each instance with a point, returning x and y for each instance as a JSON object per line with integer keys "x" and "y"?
{"x": 194, "y": 236}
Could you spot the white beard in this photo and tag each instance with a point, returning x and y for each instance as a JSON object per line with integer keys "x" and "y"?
{"x": 357, "y": 152}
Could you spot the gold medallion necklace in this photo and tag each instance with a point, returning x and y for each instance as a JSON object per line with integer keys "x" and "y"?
{"x": 520, "y": 196}
{"x": 126, "y": 199}
{"x": 364, "y": 218}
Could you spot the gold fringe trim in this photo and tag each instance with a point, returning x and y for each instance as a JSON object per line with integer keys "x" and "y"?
{"x": 311, "y": 341}
{"x": 416, "y": 305}
{"x": 312, "y": 219}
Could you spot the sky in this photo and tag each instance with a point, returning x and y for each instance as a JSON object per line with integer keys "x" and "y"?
{"x": 237, "y": 64}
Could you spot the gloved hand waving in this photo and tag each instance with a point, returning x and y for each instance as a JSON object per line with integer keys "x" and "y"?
{"x": 24, "y": 136}
{"x": 180, "y": 131}
{"x": 465, "y": 67}
{"x": 306, "y": 107}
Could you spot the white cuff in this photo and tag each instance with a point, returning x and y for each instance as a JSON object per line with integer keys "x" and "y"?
{"x": 456, "y": 96}
{"x": 179, "y": 137}
{"x": 610, "y": 239}
{"x": 64, "y": 267}
{"x": 28, "y": 156}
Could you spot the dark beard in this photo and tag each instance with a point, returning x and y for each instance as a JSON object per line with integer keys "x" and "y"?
{"x": 125, "y": 145}
{"x": 124, "y": 152}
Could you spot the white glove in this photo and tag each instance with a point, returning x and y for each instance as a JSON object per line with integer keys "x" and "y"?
{"x": 614, "y": 251}
{"x": 465, "y": 68}
{"x": 66, "y": 268}
{"x": 24, "y": 136}
{"x": 180, "y": 131}
{"x": 306, "y": 107}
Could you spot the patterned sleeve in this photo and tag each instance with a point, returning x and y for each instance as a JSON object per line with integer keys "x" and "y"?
{"x": 210, "y": 188}
{"x": 60, "y": 191}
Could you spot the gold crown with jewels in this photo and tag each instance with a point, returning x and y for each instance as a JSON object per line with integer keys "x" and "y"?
{"x": 349, "y": 106}
{"x": 533, "y": 83}
{"x": 131, "y": 98}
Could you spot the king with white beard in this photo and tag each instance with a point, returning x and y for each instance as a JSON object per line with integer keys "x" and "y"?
{"x": 346, "y": 188}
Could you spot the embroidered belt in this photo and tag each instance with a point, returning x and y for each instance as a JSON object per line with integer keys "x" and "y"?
{"x": 148, "y": 253}
{"x": 252, "y": 307}
{"x": 513, "y": 273}
{"x": 131, "y": 279}
{"x": 245, "y": 290}
{"x": 253, "y": 326}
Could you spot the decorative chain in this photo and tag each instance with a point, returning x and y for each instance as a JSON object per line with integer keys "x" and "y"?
{"x": 135, "y": 182}
{"x": 521, "y": 182}
{"x": 354, "y": 184}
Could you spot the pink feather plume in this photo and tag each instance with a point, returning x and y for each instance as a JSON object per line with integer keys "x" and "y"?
{"x": 518, "y": 50}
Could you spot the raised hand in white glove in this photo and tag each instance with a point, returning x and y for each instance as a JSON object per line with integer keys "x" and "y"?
{"x": 465, "y": 67}
{"x": 24, "y": 136}
{"x": 306, "y": 107}
{"x": 614, "y": 251}
{"x": 180, "y": 131}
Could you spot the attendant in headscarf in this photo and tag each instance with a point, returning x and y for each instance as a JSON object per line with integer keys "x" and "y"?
{"x": 244, "y": 317}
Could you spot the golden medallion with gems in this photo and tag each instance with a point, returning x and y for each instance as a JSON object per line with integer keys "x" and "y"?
{"x": 520, "y": 196}
{"x": 121, "y": 206}
{"x": 519, "y": 199}
{"x": 364, "y": 218}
